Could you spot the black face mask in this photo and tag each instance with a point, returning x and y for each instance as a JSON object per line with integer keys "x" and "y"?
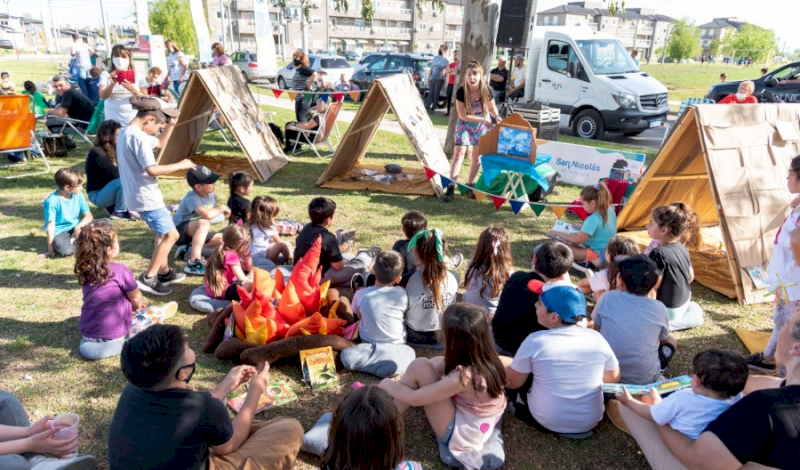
{"x": 297, "y": 62}
{"x": 178, "y": 372}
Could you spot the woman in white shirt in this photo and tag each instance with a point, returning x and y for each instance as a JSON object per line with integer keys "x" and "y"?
{"x": 176, "y": 61}
{"x": 116, "y": 89}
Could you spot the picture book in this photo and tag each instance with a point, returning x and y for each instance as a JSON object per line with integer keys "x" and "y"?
{"x": 758, "y": 275}
{"x": 346, "y": 239}
{"x": 230, "y": 328}
{"x": 319, "y": 368}
{"x": 566, "y": 227}
{"x": 277, "y": 394}
{"x": 663, "y": 387}
{"x": 514, "y": 142}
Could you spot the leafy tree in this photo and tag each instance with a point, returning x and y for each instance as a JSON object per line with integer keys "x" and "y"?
{"x": 794, "y": 55}
{"x": 684, "y": 41}
{"x": 173, "y": 20}
{"x": 751, "y": 41}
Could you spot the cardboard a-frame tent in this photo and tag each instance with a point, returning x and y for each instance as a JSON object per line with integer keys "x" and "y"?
{"x": 224, "y": 89}
{"x": 399, "y": 93}
{"x": 729, "y": 162}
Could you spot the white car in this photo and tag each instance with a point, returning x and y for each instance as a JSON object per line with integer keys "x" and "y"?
{"x": 332, "y": 65}
{"x": 248, "y": 63}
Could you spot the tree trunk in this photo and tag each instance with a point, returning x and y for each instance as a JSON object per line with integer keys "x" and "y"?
{"x": 477, "y": 43}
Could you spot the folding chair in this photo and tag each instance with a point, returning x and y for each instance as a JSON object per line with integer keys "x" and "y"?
{"x": 215, "y": 126}
{"x": 17, "y": 126}
{"x": 83, "y": 128}
{"x": 321, "y": 135}
{"x": 685, "y": 104}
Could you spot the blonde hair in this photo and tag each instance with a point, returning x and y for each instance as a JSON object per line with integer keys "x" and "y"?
{"x": 483, "y": 89}
{"x": 598, "y": 192}
{"x": 749, "y": 85}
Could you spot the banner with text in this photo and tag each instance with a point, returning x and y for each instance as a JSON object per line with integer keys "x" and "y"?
{"x": 581, "y": 165}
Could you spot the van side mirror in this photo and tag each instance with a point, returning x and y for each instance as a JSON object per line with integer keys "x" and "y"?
{"x": 572, "y": 69}
{"x": 772, "y": 82}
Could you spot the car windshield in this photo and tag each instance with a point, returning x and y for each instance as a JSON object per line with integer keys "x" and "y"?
{"x": 788, "y": 73}
{"x": 607, "y": 56}
{"x": 334, "y": 63}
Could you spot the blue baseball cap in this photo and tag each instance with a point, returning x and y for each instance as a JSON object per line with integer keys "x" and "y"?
{"x": 565, "y": 301}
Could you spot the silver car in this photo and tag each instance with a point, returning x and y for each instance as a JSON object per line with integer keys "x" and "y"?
{"x": 332, "y": 65}
{"x": 248, "y": 62}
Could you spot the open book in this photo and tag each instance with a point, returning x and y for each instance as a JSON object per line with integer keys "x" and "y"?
{"x": 663, "y": 387}
{"x": 565, "y": 227}
{"x": 277, "y": 394}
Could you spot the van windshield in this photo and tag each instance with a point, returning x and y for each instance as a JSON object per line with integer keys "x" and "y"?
{"x": 607, "y": 56}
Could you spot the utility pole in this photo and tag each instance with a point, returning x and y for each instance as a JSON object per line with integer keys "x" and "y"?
{"x": 222, "y": 19}
{"x": 13, "y": 35}
{"x": 230, "y": 25}
{"x": 105, "y": 28}
{"x": 56, "y": 31}
{"x": 47, "y": 43}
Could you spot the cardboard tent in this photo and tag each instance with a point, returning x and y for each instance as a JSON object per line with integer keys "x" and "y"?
{"x": 399, "y": 93}
{"x": 224, "y": 89}
{"x": 728, "y": 162}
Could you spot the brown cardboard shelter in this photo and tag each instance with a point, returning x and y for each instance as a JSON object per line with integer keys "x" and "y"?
{"x": 729, "y": 162}
{"x": 398, "y": 92}
{"x": 224, "y": 89}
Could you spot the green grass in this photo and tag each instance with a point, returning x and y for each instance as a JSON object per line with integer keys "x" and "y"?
{"x": 41, "y": 298}
{"x": 693, "y": 80}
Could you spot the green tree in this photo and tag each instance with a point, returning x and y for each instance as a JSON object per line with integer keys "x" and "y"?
{"x": 794, "y": 55}
{"x": 173, "y": 20}
{"x": 751, "y": 41}
{"x": 684, "y": 41}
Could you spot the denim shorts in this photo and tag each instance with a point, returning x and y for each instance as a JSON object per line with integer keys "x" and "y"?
{"x": 160, "y": 220}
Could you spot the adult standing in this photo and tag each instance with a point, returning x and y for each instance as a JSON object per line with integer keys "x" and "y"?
{"x": 82, "y": 61}
{"x": 498, "y": 79}
{"x": 118, "y": 85}
{"x": 220, "y": 59}
{"x": 176, "y": 61}
{"x": 477, "y": 114}
{"x": 436, "y": 78}
{"x": 452, "y": 69}
{"x": 102, "y": 175}
{"x": 303, "y": 80}
{"x": 518, "y": 78}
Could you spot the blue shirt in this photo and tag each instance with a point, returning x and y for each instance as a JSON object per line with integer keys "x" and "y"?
{"x": 438, "y": 64}
{"x": 600, "y": 234}
{"x": 65, "y": 213}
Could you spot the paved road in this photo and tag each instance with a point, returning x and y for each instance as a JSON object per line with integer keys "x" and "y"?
{"x": 649, "y": 139}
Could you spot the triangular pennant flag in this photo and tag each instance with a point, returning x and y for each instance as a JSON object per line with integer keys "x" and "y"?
{"x": 558, "y": 210}
{"x": 498, "y": 201}
{"x": 479, "y": 196}
{"x": 538, "y": 209}
{"x": 354, "y": 95}
{"x": 445, "y": 181}
{"x": 463, "y": 189}
{"x": 516, "y": 206}
{"x": 308, "y": 97}
{"x": 429, "y": 173}
{"x": 277, "y": 92}
{"x": 292, "y": 95}
{"x": 324, "y": 97}
{"x": 338, "y": 97}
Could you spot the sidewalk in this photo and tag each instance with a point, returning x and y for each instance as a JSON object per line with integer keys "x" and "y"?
{"x": 389, "y": 123}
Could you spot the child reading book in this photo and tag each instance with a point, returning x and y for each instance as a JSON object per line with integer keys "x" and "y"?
{"x": 597, "y": 283}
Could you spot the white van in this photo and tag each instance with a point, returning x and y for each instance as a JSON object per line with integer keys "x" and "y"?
{"x": 592, "y": 79}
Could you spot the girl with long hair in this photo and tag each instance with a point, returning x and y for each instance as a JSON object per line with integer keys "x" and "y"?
{"x": 477, "y": 114}
{"x": 266, "y": 242}
{"x": 241, "y": 185}
{"x": 488, "y": 270}
{"x": 430, "y": 289}
{"x": 230, "y": 265}
{"x": 463, "y": 393}
{"x": 178, "y": 66}
{"x": 119, "y": 84}
{"x": 603, "y": 281}
{"x": 102, "y": 175}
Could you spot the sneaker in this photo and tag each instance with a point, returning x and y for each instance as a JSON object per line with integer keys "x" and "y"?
{"x": 373, "y": 251}
{"x": 172, "y": 277}
{"x": 194, "y": 268}
{"x": 134, "y": 215}
{"x": 357, "y": 282}
{"x": 84, "y": 462}
{"x": 448, "y": 193}
{"x": 589, "y": 273}
{"x": 152, "y": 285}
{"x": 756, "y": 361}
{"x": 117, "y": 215}
{"x": 456, "y": 260}
{"x": 371, "y": 279}
{"x": 470, "y": 195}
{"x": 180, "y": 253}
{"x": 582, "y": 266}
{"x": 612, "y": 410}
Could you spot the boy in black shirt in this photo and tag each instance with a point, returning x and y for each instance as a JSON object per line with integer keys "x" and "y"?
{"x": 336, "y": 266}
{"x": 161, "y": 424}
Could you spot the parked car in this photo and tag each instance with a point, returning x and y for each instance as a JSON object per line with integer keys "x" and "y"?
{"x": 6, "y": 44}
{"x": 333, "y": 65}
{"x": 390, "y": 63}
{"x": 248, "y": 62}
{"x": 352, "y": 56}
{"x": 789, "y": 93}
{"x": 366, "y": 60}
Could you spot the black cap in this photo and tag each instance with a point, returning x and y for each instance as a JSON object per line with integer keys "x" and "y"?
{"x": 201, "y": 175}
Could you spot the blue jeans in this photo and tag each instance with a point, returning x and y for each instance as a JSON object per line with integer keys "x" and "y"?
{"x": 80, "y": 77}
{"x": 110, "y": 195}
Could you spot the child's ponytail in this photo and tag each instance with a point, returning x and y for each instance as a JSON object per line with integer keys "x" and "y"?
{"x": 599, "y": 193}
{"x": 691, "y": 236}
{"x": 233, "y": 237}
{"x": 681, "y": 221}
{"x": 238, "y": 179}
{"x": 431, "y": 249}
{"x": 91, "y": 254}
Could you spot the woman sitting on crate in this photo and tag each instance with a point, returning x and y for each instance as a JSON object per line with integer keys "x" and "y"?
{"x": 297, "y": 131}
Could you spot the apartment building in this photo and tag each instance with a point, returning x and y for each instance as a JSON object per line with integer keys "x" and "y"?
{"x": 639, "y": 29}
{"x": 717, "y": 29}
{"x": 396, "y": 26}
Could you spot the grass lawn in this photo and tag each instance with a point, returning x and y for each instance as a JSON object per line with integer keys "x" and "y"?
{"x": 693, "y": 80}
{"x": 39, "y": 334}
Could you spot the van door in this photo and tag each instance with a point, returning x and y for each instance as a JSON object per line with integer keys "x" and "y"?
{"x": 555, "y": 84}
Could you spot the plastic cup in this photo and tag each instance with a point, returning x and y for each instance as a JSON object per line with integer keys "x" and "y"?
{"x": 67, "y": 425}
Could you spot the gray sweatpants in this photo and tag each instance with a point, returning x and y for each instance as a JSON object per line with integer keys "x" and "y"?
{"x": 13, "y": 414}
{"x": 352, "y": 264}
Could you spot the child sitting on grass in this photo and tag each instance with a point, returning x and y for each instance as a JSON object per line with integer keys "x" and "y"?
{"x": 413, "y": 222}
{"x": 241, "y": 186}
{"x": 230, "y": 265}
{"x": 598, "y": 283}
{"x": 196, "y": 213}
{"x": 635, "y": 325}
{"x": 266, "y": 240}
{"x": 381, "y": 308}
{"x": 65, "y": 214}
{"x": 38, "y": 103}
{"x": 488, "y": 270}
{"x": 717, "y": 383}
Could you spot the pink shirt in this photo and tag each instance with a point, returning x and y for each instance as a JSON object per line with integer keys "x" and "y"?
{"x": 221, "y": 61}
{"x": 230, "y": 259}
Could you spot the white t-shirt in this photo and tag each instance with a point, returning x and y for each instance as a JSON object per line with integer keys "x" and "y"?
{"x": 517, "y": 75}
{"x": 422, "y": 313}
{"x": 688, "y": 412}
{"x": 174, "y": 63}
{"x": 118, "y": 106}
{"x": 81, "y": 51}
{"x": 599, "y": 281}
{"x": 567, "y": 364}
{"x": 134, "y": 155}
{"x": 262, "y": 240}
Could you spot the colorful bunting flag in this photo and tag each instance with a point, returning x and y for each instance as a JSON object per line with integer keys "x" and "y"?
{"x": 308, "y": 97}
{"x": 277, "y": 92}
{"x": 516, "y": 206}
{"x": 538, "y": 209}
{"x": 558, "y": 210}
{"x": 445, "y": 181}
{"x": 354, "y": 95}
{"x": 324, "y": 97}
{"x": 479, "y": 196}
{"x": 340, "y": 97}
{"x": 498, "y": 201}
{"x": 429, "y": 173}
{"x": 292, "y": 95}
{"x": 463, "y": 189}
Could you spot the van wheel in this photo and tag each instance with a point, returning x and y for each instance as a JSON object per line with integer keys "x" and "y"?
{"x": 588, "y": 124}
{"x": 281, "y": 83}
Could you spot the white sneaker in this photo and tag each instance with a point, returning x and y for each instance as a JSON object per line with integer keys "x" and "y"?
{"x": 84, "y": 462}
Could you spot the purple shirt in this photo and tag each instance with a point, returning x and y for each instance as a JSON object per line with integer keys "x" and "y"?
{"x": 106, "y": 312}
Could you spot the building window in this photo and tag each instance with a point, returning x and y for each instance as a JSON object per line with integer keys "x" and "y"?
{"x": 316, "y": 20}
{"x": 555, "y": 20}
{"x": 546, "y": 20}
{"x": 423, "y": 26}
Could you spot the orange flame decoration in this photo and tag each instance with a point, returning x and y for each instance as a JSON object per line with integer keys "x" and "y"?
{"x": 299, "y": 301}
